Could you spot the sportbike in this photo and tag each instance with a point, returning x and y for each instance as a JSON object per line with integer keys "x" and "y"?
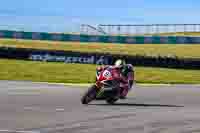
{"x": 106, "y": 87}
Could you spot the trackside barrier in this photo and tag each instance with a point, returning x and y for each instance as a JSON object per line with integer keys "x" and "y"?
{"x": 100, "y": 38}
{"x": 96, "y": 58}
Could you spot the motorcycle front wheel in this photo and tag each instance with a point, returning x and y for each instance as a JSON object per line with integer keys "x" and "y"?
{"x": 89, "y": 95}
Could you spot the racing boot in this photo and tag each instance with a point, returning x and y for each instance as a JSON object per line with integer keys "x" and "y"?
{"x": 123, "y": 93}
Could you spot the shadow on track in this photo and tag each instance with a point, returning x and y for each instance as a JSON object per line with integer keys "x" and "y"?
{"x": 136, "y": 105}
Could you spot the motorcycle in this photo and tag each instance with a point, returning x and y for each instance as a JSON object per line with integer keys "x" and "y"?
{"x": 106, "y": 87}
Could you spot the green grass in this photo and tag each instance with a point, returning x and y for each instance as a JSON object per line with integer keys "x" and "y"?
{"x": 84, "y": 73}
{"x": 180, "y": 50}
{"x": 179, "y": 34}
{"x": 162, "y": 34}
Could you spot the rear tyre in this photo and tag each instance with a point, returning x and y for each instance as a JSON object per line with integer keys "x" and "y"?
{"x": 113, "y": 97}
{"x": 89, "y": 95}
{"x": 111, "y": 100}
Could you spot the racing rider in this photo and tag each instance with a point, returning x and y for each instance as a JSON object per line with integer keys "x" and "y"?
{"x": 126, "y": 76}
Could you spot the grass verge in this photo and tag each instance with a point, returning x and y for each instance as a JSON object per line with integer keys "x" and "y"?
{"x": 84, "y": 73}
{"x": 179, "y": 34}
{"x": 180, "y": 50}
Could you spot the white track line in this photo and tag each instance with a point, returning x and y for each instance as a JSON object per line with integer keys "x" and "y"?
{"x": 13, "y": 131}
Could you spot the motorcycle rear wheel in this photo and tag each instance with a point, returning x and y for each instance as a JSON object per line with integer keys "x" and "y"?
{"x": 114, "y": 97}
{"x": 89, "y": 95}
{"x": 111, "y": 100}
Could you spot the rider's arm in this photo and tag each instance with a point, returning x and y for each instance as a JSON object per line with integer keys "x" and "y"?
{"x": 101, "y": 68}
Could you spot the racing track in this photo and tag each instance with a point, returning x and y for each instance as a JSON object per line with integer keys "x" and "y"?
{"x": 27, "y": 107}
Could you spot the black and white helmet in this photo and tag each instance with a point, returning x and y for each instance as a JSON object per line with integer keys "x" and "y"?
{"x": 119, "y": 63}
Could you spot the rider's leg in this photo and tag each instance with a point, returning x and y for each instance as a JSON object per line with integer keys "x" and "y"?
{"x": 124, "y": 92}
{"x": 125, "y": 89}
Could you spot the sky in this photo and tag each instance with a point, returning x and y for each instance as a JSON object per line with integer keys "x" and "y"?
{"x": 67, "y": 15}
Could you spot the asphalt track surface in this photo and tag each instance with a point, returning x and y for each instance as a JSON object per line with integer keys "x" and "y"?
{"x": 27, "y": 107}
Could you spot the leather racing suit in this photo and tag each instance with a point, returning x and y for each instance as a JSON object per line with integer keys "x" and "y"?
{"x": 126, "y": 78}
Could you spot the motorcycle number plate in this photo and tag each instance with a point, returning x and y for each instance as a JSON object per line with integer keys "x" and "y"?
{"x": 106, "y": 74}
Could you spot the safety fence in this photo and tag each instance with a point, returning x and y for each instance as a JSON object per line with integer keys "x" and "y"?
{"x": 96, "y": 58}
{"x": 100, "y": 38}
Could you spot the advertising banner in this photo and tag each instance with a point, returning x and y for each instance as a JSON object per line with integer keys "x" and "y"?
{"x": 94, "y": 39}
{"x": 96, "y": 58}
{"x": 82, "y": 59}
{"x": 172, "y": 40}
{"x": 130, "y": 40}
{"x": 148, "y": 40}
{"x": 139, "y": 40}
{"x": 100, "y": 38}
{"x": 1, "y": 34}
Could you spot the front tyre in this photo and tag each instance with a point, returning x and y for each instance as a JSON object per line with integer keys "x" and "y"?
{"x": 89, "y": 95}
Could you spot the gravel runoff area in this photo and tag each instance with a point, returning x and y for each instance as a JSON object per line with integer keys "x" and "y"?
{"x": 27, "y": 107}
